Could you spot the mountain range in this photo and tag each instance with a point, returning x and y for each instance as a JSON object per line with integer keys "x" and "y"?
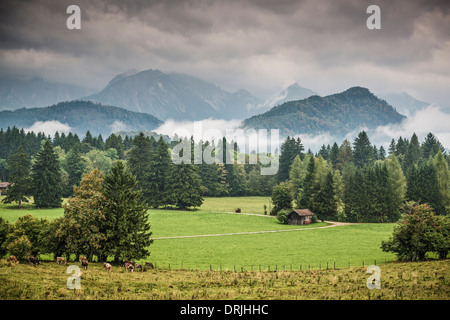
{"x": 16, "y": 93}
{"x": 337, "y": 114}
{"x": 138, "y": 100}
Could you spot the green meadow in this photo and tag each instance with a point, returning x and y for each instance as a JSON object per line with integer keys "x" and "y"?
{"x": 214, "y": 237}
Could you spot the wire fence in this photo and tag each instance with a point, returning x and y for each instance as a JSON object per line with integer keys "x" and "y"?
{"x": 264, "y": 267}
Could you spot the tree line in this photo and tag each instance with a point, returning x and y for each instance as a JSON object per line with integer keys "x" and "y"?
{"x": 362, "y": 183}
{"x": 353, "y": 181}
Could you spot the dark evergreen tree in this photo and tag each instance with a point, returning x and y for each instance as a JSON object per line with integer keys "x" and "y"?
{"x": 140, "y": 160}
{"x": 75, "y": 166}
{"x": 431, "y": 146}
{"x": 333, "y": 156}
{"x": 327, "y": 207}
{"x": 184, "y": 188}
{"x": 305, "y": 197}
{"x": 115, "y": 141}
{"x": 381, "y": 153}
{"x": 413, "y": 153}
{"x": 19, "y": 177}
{"x": 126, "y": 219}
{"x": 423, "y": 186}
{"x": 161, "y": 161}
{"x": 46, "y": 178}
{"x": 362, "y": 150}
{"x": 289, "y": 150}
{"x": 345, "y": 154}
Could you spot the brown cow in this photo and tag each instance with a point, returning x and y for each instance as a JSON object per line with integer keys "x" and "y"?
{"x": 12, "y": 259}
{"x": 149, "y": 264}
{"x": 107, "y": 266}
{"x": 84, "y": 262}
{"x": 60, "y": 260}
{"x": 34, "y": 261}
{"x": 129, "y": 267}
{"x": 137, "y": 266}
{"x": 128, "y": 261}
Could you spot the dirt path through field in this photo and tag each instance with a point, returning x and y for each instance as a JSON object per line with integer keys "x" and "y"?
{"x": 332, "y": 224}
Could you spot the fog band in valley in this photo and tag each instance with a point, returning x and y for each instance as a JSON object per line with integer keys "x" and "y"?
{"x": 251, "y": 146}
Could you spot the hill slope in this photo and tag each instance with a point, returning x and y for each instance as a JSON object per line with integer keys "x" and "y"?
{"x": 81, "y": 116}
{"x": 337, "y": 114}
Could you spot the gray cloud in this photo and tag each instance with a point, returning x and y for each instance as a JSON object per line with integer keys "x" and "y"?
{"x": 258, "y": 45}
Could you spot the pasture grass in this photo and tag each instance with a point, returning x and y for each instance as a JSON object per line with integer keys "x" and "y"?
{"x": 399, "y": 281}
{"x": 341, "y": 246}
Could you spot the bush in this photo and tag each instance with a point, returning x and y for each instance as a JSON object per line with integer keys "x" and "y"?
{"x": 418, "y": 233}
{"x": 20, "y": 247}
{"x": 281, "y": 198}
{"x": 4, "y": 230}
{"x": 282, "y": 215}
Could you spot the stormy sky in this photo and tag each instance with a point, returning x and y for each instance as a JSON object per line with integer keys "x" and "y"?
{"x": 260, "y": 45}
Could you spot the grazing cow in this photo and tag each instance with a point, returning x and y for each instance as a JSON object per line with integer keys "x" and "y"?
{"x": 128, "y": 261}
{"x": 84, "y": 262}
{"x": 107, "y": 266}
{"x": 61, "y": 260}
{"x": 34, "y": 261}
{"x": 12, "y": 259}
{"x": 137, "y": 266}
{"x": 149, "y": 264}
{"x": 129, "y": 267}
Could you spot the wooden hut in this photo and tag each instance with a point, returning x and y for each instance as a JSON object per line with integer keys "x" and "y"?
{"x": 3, "y": 186}
{"x": 300, "y": 216}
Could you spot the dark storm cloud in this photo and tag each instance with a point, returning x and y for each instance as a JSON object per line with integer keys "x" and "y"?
{"x": 256, "y": 44}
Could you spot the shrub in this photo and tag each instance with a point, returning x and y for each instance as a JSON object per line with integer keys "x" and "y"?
{"x": 20, "y": 247}
{"x": 282, "y": 215}
{"x": 418, "y": 233}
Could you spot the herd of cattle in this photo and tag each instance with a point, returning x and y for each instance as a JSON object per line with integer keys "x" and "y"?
{"x": 129, "y": 265}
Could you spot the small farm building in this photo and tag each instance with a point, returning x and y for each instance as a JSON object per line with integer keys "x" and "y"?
{"x": 3, "y": 186}
{"x": 300, "y": 216}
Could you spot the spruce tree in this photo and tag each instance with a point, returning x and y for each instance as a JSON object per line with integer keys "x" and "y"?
{"x": 19, "y": 178}
{"x": 126, "y": 219}
{"x": 333, "y": 155}
{"x": 362, "y": 150}
{"x": 140, "y": 164}
{"x": 431, "y": 146}
{"x": 184, "y": 188}
{"x": 326, "y": 199}
{"x": 75, "y": 166}
{"x": 305, "y": 197}
{"x": 345, "y": 154}
{"x": 161, "y": 161}
{"x": 46, "y": 178}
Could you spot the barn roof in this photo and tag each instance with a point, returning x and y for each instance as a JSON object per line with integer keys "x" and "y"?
{"x": 303, "y": 212}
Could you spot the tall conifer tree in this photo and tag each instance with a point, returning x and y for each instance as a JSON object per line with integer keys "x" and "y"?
{"x": 46, "y": 178}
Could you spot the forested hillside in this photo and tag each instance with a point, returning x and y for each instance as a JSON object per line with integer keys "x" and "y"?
{"x": 337, "y": 114}
{"x": 81, "y": 116}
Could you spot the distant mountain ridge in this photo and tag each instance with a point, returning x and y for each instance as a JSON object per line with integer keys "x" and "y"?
{"x": 337, "y": 114}
{"x": 18, "y": 93}
{"x": 174, "y": 96}
{"x": 81, "y": 116}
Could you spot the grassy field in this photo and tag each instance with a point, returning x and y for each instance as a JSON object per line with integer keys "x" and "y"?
{"x": 206, "y": 254}
{"x": 341, "y": 246}
{"x": 425, "y": 280}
